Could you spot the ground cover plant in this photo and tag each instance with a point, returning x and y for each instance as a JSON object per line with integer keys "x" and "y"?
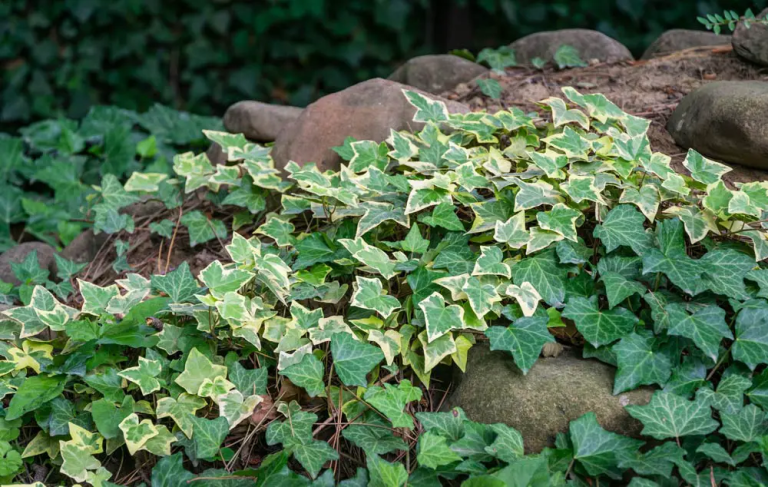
{"x": 306, "y": 353}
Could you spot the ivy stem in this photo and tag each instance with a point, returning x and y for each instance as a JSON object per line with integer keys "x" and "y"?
{"x": 570, "y": 466}
{"x": 719, "y": 362}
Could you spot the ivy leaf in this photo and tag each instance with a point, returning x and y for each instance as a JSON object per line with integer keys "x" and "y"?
{"x": 33, "y": 393}
{"x": 307, "y": 374}
{"x": 414, "y": 242}
{"x": 646, "y": 198}
{"x": 369, "y": 295}
{"x": 178, "y": 284}
{"x": 751, "y": 345}
{"x": 449, "y": 423}
{"x": 433, "y": 451}
{"x": 747, "y": 425}
{"x": 353, "y": 359}
{"x": 427, "y": 110}
{"x": 221, "y": 280}
{"x": 716, "y": 452}
{"x": 278, "y": 229}
{"x": 490, "y": 263}
{"x": 181, "y": 410}
{"x": 108, "y": 417}
{"x": 512, "y": 232}
{"x": 672, "y": 260}
{"x": 367, "y": 154}
{"x": 444, "y": 215}
{"x": 201, "y": 229}
{"x": 658, "y": 461}
{"x": 724, "y": 271}
{"x": 76, "y": 461}
{"x": 196, "y": 369}
{"x": 596, "y": 449}
{"x": 618, "y": 288}
{"x": 560, "y": 219}
{"x": 440, "y": 318}
{"x": 729, "y": 397}
{"x": 144, "y": 375}
{"x": 208, "y": 435}
{"x": 544, "y": 274}
{"x": 236, "y": 408}
{"x": 562, "y": 115}
{"x": 706, "y": 326}
{"x": 567, "y": 56}
{"x": 170, "y": 472}
{"x": 570, "y": 142}
{"x": 524, "y": 339}
{"x": 96, "y": 298}
{"x": 671, "y": 416}
{"x": 373, "y": 440}
{"x": 599, "y": 327}
{"x": 392, "y": 400}
{"x": 385, "y": 474}
{"x": 136, "y": 433}
{"x": 702, "y": 169}
{"x": 526, "y": 296}
{"x": 639, "y": 364}
{"x": 624, "y": 227}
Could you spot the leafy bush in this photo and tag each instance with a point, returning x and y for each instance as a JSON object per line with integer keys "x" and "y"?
{"x": 359, "y": 283}
{"x": 49, "y": 173}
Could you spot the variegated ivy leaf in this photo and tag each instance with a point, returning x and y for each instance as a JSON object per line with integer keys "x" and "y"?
{"x": 440, "y": 318}
{"x": 427, "y": 110}
{"x": 371, "y": 256}
{"x": 545, "y": 274}
{"x": 512, "y": 232}
{"x": 137, "y": 433}
{"x": 377, "y": 213}
{"x": 160, "y": 444}
{"x": 278, "y": 229}
{"x": 76, "y": 461}
{"x": 273, "y": 272}
{"x": 303, "y": 318}
{"x": 698, "y": 223}
{"x": 403, "y": 148}
{"x": 221, "y": 280}
{"x": 197, "y": 169}
{"x": 180, "y": 410}
{"x": 676, "y": 184}
{"x": 741, "y": 204}
{"x": 560, "y": 219}
{"x": 236, "y": 408}
{"x": 28, "y": 355}
{"x": 481, "y": 296}
{"x": 647, "y": 199}
{"x": 136, "y": 287}
{"x": 582, "y": 188}
{"x": 597, "y": 105}
{"x": 535, "y": 194}
{"x": 233, "y": 307}
{"x": 419, "y": 199}
{"x": 389, "y": 342}
{"x": 468, "y": 177}
{"x": 226, "y": 175}
{"x": 148, "y": 182}
{"x": 757, "y": 192}
{"x": 144, "y": 375}
{"x": 215, "y": 388}
{"x": 454, "y": 284}
{"x": 526, "y": 295}
{"x": 228, "y": 142}
{"x": 435, "y": 351}
{"x": 369, "y": 295}
{"x": 541, "y": 239}
{"x": 551, "y": 162}
{"x": 96, "y": 298}
{"x": 242, "y": 250}
{"x": 197, "y": 369}
{"x": 570, "y": 143}
{"x": 368, "y": 153}
{"x": 561, "y": 115}
{"x": 490, "y": 263}
{"x": 497, "y": 164}
{"x": 704, "y": 170}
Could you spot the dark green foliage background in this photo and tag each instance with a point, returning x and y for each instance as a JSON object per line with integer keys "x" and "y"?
{"x": 57, "y": 58}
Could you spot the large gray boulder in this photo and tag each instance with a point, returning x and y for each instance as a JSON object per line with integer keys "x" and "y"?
{"x": 365, "y": 111}
{"x": 752, "y": 43}
{"x": 678, "y": 39}
{"x": 18, "y": 253}
{"x": 437, "y": 73}
{"x": 261, "y": 122}
{"x": 541, "y": 404}
{"x": 725, "y": 120}
{"x": 590, "y": 44}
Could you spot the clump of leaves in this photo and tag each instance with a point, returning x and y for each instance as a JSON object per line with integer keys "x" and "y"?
{"x": 357, "y": 284}
{"x": 729, "y": 19}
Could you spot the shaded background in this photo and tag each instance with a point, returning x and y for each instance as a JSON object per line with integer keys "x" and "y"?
{"x": 58, "y": 58}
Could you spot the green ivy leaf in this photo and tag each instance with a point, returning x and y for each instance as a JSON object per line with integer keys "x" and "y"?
{"x": 201, "y": 229}
{"x": 706, "y": 326}
{"x": 391, "y": 401}
{"x": 624, "y": 227}
{"x": 524, "y": 339}
{"x": 639, "y": 364}
{"x": 751, "y": 344}
{"x": 596, "y": 449}
{"x": 433, "y": 451}
{"x": 671, "y": 416}
{"x": 747, "y": 425}
{"x": 307, "y": 374}
{"x": 599, "y": 327}
{"x": 208, "y": 435}
{"x": 353, "y": 359}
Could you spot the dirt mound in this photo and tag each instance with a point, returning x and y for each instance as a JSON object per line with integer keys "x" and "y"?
{"x": 649, "y": 88}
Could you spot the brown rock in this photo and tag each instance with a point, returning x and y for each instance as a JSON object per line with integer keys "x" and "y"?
{"x": 84, "y": 247}
{"x": 437, "y": 73}
{"x": 258, "y": 121}
{"x": 365, "y": 111}
{"x": 18, "y": 253}
{"x": 541, "y": 404}
{"x": 679, "y": 39}
{"x": 752, "y": 44}
{"x": 216, "y": 154}
{"x": 725, "y": 120}
{"x": 590, "y": 44}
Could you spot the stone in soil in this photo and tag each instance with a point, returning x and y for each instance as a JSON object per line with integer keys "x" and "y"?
{"x": 590, "y": 44}
{"x": 726, "y": 121}
{"x": 752, "y": 43}
{"x": 18, "y": 253}
{"x": 679, "y": 39}
{"x": 365, "y": 111}
{"x": 542, "y": 404}
{"x": 85, "y": 246}
{"x": 261, "y": 122}
{"x": 437, "y": 73}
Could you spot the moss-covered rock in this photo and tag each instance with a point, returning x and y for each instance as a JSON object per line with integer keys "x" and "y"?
{"x": 541, "y": 404}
